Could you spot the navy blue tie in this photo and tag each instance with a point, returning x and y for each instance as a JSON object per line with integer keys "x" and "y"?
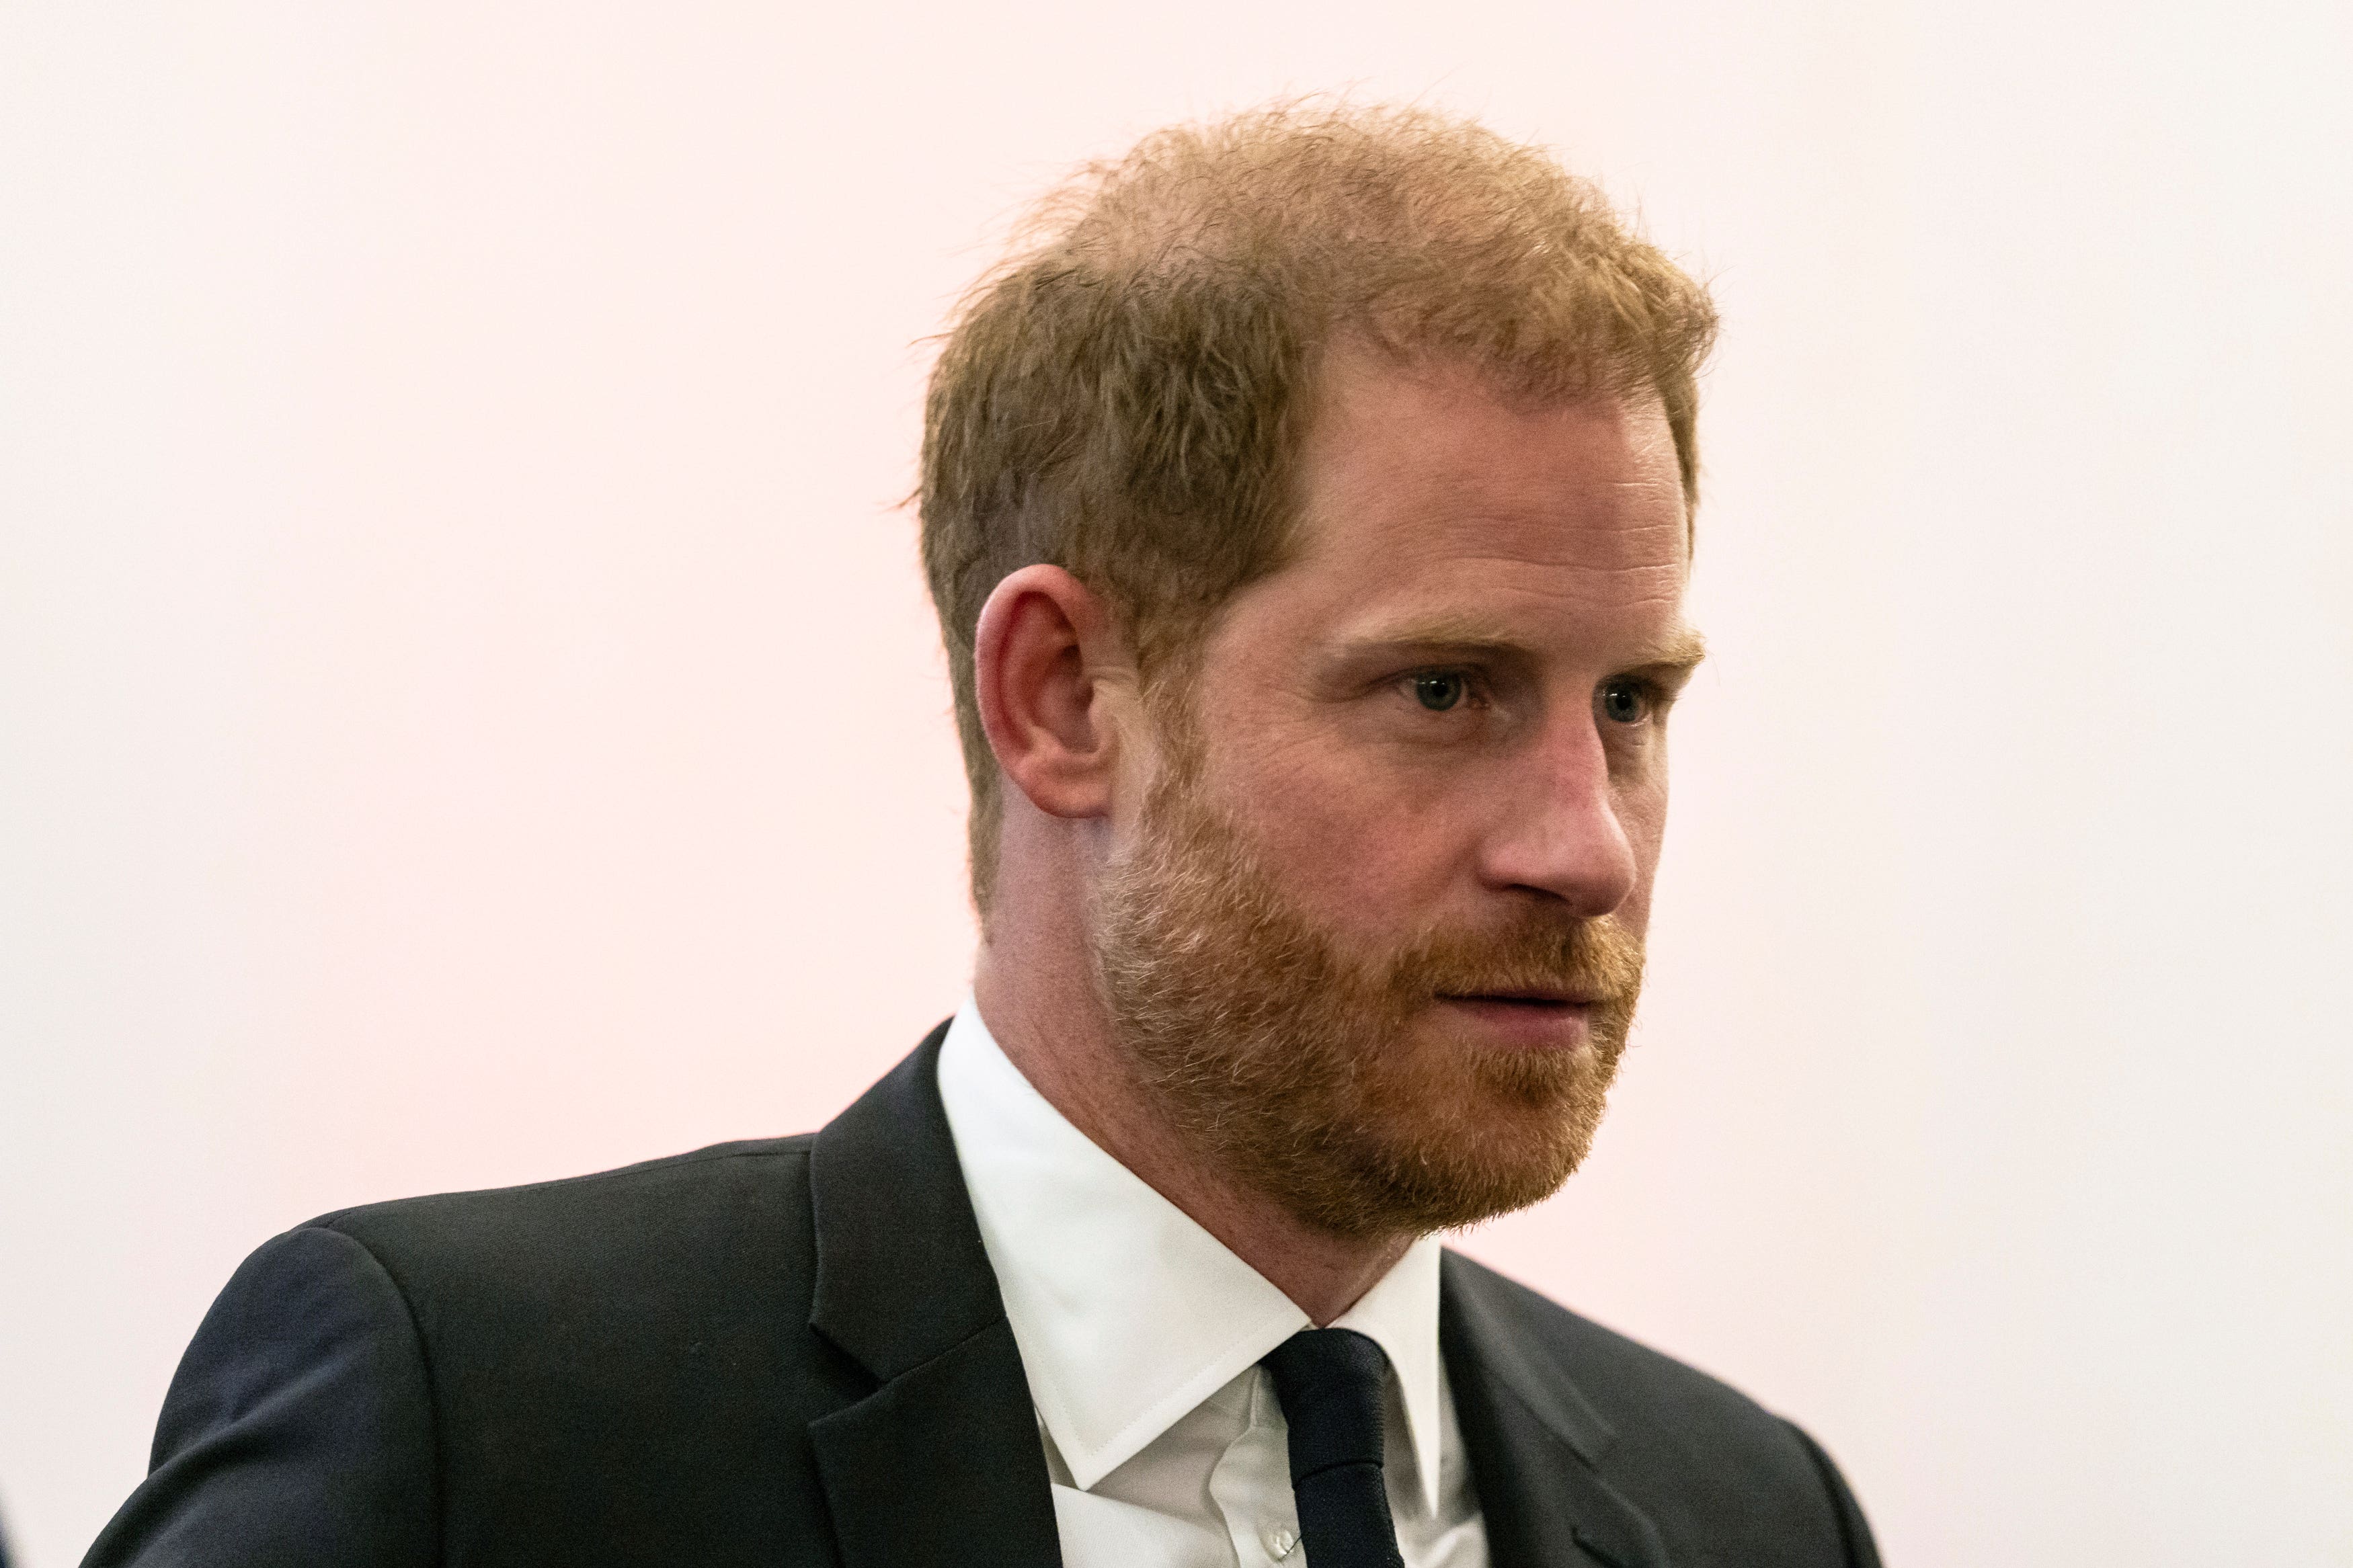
{"x": 1329, "y": 1380}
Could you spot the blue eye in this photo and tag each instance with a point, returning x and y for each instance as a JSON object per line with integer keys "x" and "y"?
{"x": 1625, "y": 702}
{"x": 1440, "y": 692}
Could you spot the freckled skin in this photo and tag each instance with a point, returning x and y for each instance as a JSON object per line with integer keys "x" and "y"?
{"x": 1525, "y": 563}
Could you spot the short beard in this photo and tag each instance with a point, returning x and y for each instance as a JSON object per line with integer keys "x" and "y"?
{"x": 1297, "y": 1071}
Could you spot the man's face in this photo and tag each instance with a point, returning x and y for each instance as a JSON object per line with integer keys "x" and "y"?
{"x": 1375, "y": 936}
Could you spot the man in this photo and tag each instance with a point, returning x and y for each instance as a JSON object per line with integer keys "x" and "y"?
{"x": 1308, "y": 512}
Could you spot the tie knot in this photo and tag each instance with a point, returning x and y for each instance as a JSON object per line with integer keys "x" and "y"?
{"x": 1329, "y": 1383}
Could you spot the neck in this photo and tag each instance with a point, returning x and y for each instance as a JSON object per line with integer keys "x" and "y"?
{"x": 1047, "y": 1019}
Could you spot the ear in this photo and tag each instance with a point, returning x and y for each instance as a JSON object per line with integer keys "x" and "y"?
{"x": 1046, "y": 664}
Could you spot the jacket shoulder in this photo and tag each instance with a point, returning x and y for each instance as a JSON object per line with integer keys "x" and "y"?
{"x": 710, "y": 1249}
{"x": 591, "y": 1214}
{"x": 298, "y": 1429}
{"x": 1628, "y": 1384}
{"x": 648, "y": 1322}
{"x": 1707, "y": 1462}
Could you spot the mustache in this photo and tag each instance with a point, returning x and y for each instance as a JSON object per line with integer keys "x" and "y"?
{"x": 1572, "y": 958}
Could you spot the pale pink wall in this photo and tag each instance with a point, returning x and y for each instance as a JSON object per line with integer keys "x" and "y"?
{"x": 469, "y": 712}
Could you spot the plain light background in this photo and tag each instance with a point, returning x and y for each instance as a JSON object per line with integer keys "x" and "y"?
{"x": 469, "y": 712}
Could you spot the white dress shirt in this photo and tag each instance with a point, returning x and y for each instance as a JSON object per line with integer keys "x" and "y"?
{"x": 1141, "y": 1335}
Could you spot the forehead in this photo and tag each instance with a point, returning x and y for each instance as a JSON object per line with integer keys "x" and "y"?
{"x": 1428, "y": 489}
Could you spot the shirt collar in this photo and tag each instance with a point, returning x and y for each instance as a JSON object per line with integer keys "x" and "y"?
{"x": 1127, "y": 1313}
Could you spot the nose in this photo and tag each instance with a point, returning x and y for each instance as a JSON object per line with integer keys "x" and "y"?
{"x": 1563, "y": 831}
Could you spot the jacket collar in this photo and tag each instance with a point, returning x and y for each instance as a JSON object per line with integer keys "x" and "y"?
{"x": 1128, "y": 1314}
{"x": 1534, "y": 1442}
{"x": 941, "y": 1464}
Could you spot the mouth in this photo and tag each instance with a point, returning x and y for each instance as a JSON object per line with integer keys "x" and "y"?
{"x": 1523, "y": 1019}
{"x": 1532, "y": 997}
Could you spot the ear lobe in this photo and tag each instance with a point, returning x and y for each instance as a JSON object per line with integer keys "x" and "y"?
{"x": 1042, "y": 655}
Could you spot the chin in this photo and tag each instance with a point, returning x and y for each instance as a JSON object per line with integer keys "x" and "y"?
{"x": 1503, "y": 1133}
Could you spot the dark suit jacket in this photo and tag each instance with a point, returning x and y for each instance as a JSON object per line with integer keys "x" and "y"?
{"x": 793, "y": 1352}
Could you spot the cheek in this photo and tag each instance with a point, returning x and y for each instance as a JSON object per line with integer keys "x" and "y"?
{"x": 1643, "y": 813}
{"x": 1356, "y": 848}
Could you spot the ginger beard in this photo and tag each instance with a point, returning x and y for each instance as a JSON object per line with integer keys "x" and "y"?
{"x": 1335, "y": 1085}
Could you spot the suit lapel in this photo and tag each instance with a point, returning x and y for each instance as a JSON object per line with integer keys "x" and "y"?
{"x": 941, "y": 1464}
{"x": 1534, "y": 1443}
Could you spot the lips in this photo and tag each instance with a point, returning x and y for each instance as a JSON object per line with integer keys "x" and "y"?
{"x": 1522, "y": 998}
{"x": 1520, "y": 1020}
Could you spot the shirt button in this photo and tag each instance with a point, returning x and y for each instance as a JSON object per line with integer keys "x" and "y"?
{"x": 1279, "y": 1542}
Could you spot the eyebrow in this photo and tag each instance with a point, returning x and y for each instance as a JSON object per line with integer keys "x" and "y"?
{"x": 1682, "y": 647}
